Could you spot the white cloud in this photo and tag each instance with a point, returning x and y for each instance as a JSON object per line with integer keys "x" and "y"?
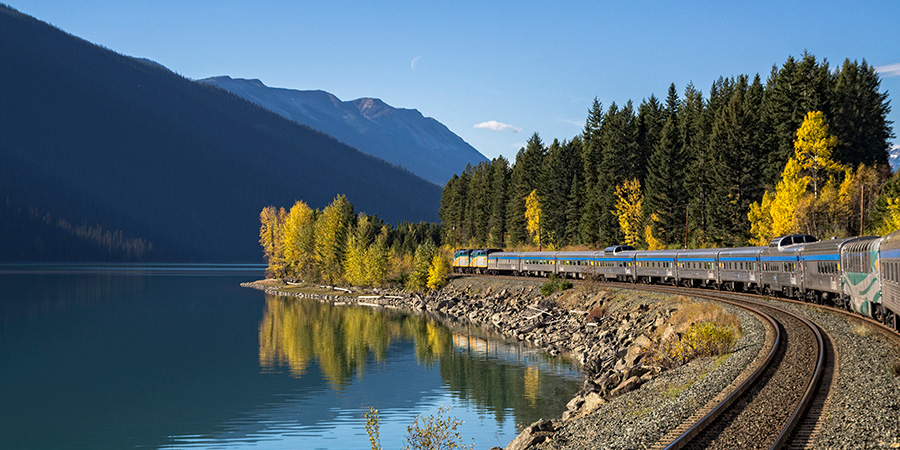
{"x": 890, "y": 70}
{"x": 497, "y": 126}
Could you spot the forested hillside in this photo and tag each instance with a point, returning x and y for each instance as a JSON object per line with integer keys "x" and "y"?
{"x": 108, "y": 157}
{"x": 684, "y": 171}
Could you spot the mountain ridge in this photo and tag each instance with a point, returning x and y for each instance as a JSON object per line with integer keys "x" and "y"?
{"x": 400, "y": 136}
{"x": 108, "y": 142}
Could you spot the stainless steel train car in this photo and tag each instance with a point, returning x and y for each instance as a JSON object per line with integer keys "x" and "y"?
{"x": 861, "y": 274}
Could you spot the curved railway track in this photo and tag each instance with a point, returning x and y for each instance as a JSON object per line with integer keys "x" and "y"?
{"x": 779, "y": 403}
{"x": 766, "y": 408}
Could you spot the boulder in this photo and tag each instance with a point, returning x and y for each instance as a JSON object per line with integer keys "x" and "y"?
{"x": 626, "y": 386}
{"x": 535, "y": 433}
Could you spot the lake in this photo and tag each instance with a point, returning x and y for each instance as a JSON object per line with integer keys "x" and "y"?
{"x": 180, "y": 356}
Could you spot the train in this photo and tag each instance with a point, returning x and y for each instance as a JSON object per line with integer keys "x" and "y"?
{"x": 860, "y": 274}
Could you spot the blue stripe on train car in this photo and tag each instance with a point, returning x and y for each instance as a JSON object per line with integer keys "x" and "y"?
{"x": 892, "y": 253}
{"x": 834, "y": 257}
{"x": 737, "y": 258}
{"x": 778, "y": 258}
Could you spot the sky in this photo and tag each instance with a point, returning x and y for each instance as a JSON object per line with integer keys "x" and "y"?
{"x": 493, "y": 72}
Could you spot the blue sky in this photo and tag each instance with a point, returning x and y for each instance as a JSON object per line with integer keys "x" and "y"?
{"x": 493, "y": 72}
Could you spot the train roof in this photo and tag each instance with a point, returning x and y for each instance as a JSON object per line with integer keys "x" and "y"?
{"x": 616, "y": 249}
{"x": 792, "y": 239}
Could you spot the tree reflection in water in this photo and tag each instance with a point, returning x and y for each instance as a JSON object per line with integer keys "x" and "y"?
{"x": 501, "y": 378}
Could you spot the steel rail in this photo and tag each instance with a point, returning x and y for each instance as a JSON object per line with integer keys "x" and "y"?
{"x": 812, "y": 384}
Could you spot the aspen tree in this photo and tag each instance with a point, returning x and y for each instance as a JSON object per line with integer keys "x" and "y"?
{"x": 629, "y": 210}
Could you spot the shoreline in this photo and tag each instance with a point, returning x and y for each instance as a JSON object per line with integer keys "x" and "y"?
{"x": 606, "y": 333}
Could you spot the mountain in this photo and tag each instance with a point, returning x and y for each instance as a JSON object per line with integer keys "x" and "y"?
{"x": 104, "y": 156}
{"x": 894, "y": 157}
{"x": 400, "y": 136}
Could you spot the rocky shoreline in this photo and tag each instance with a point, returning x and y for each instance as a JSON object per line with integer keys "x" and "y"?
{"x": 609, "y": 334}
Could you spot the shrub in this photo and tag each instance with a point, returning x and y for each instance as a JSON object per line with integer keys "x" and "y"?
{"x": 700, "y": 340}
{"x": 426, "y": 433}
{"x": 553, "y": 284}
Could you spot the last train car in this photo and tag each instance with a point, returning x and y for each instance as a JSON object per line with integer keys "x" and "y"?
{"x": 890, "y": 278}
{"x": 861, "y": 283}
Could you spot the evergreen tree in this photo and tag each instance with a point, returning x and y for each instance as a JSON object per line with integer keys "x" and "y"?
{"x": 665, "y": 177}
{"x": 500, "y": 173}
{"x": 791, "y": 91}
{"x": 860, "y": 116}
{"x": 694, "y": 125}
{"x": 478, "y": 206}
{"x": 560, "y": 165}
{"x": 591, "y": 159}
{"x": 526, "y": 177}
{"x": 734, "y": 152}
{"x": 650, "y": 120}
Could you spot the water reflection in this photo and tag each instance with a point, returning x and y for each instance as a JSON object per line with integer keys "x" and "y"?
{"x": 499, "y": 377}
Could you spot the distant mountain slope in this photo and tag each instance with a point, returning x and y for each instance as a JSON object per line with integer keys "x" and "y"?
{"x": 894, "y": 157}
{"x": 400, "y": 136}
{"x": 113, "y": 151}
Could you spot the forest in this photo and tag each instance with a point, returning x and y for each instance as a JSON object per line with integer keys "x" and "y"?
{"x": 338, "y": 246}
{"x": 806, "y": 151}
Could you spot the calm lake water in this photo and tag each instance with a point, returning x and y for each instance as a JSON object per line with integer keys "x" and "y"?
{"x": 180, "y": 356}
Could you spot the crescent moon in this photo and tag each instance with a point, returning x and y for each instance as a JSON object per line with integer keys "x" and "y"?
{"x": 412, "y": 64}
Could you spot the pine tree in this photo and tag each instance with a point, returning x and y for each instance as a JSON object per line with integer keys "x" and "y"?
{"x": 860, "y": 116}
{"x": 500, "y": 173}
{"x": 526, "y": 177}
{"x": 665, "y": 177}
{"x": 694, "y": 125}
{"x": 734, "y": 151}
{"x": 591, "y": 159}
{"x": 560, "y": 165}
{"x": 791, "y": 91}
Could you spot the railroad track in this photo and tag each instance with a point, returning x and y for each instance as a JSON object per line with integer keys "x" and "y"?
{"x": 768, "y": 408}
{"x": 779, "y": 402}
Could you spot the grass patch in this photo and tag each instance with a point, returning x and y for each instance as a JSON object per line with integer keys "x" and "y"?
{"x": 696, "y": 330}
{"x": 675, "y": 391}
{"x": 861, "y": 329}
{"x": 555, "y": 284}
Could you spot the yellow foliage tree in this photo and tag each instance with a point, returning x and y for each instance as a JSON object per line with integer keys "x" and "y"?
{"x": 653, "y": 243}
{"x": 629, "y": 210}
{"x": 439, "y": 272}
{"x": 813, "y": 149}
{"x": 355, "y": 261}
{"x": 777, "y": 213}
{"x": 377, "y": 257}
{"x": 533, "y": 216}
{"x": 271, "y": 237}
{"x": 300, "y": 241}
{"x": 891, "y": 221}
{"x": 331, "y": 238}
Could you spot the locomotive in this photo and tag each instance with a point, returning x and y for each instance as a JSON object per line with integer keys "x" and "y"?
{"x": 860, "y": 274}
